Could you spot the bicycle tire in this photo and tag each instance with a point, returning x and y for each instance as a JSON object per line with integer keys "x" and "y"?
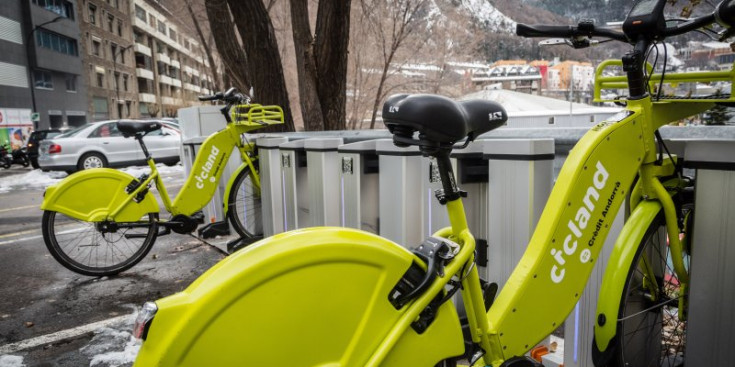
{"x": 244, "y": 206}
{"x": 82, "y": 254}
{"x": 650, "y": 332}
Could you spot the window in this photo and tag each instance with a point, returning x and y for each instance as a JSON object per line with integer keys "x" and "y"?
{"x": 92, "y": 14}
{"x": 105, "y": 130}
{"x": 114, "y": 3}
{"x": 61, "y": 7}
{"x": 122, "y": 56}
{"x": 110, "y": 22}
{"x": 99, "y": 105}
{"x": 139, "y": 37}
{"x": 43, "y": 79}
{"x": 552, "y": 120}
{"x": 162, "y": 27}
{"x": 140, "y": 13}
{"x": 113, "y": 52}
{"x": 119, "y": 28}
{"x": 115, "y": 81}
{"x": 125, "y": 83}
{"x": 56, "y": 42}
{"x": 101, "y": 80}
{"x": 71, "y": 83}
{"x": 152, "y": 21}
{"x": 172, "y": 34}
{"x": 96, "y": 46}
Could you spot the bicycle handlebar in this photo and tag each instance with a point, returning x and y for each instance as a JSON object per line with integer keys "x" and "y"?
{"x": 213, "y": 97}
{"x": 724, "y": 14}
{"x": 568, "y": 31}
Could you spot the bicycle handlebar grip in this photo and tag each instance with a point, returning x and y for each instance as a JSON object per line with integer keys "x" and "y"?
{"x": 725, "y": 13}
{"x": 525, "y": 30}
{"x": 213, "y": 97}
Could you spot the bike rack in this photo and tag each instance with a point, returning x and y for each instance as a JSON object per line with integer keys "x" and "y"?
{"x": 359, "y": 168}
{"x": 293, "y": 165}
{"x": 401, "y": 197}
{"x": 323, "y": 181}
{"x": 711, "y": 319}
{"x": 271, "y": 184}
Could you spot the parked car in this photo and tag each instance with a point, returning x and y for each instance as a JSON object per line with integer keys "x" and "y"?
{"x": 35, "y": 139}
{"x": 100, "y": 144}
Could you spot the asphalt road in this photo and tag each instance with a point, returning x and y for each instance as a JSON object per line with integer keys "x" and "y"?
{"x": 39, "y": 297}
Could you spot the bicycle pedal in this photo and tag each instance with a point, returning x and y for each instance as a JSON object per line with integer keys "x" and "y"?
{"x": 240, "y": 243}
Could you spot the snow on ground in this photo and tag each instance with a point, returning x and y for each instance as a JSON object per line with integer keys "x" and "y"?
{"x": 112, "y": 346}
{"x": 11, "y": 361}
{"x": 39, "y": 180}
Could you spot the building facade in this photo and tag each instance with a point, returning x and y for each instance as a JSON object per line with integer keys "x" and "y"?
{"x": 170, "y": 67}
{"x": 40, "y": 63}
{"x": 109, "y": 63}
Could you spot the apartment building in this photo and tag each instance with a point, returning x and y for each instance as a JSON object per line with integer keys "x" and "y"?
{"x": 109, "y": 63}
{"x": 170, "y": 67}
{"x": 40, "y": 63}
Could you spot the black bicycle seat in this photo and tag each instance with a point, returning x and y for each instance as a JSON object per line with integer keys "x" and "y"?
{"x": 440, "y": 119}
{"x": 132, "y": 127}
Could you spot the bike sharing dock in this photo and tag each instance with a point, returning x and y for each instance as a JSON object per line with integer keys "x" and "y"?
{"x": 361, "y": 180}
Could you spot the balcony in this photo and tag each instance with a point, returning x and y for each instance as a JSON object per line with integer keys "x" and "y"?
{"x": 165, "y": 79}
{"x": 146, "y": 97}
{"x": 176, "y": 64}
{"x": 168, "y": 101}
{"x": 145, "y": 50}
{"x": 164, "y": 58}
{"x": 144, "y": 73}
{"x": 176, "y": 83}
{"x": 192, "y": 87}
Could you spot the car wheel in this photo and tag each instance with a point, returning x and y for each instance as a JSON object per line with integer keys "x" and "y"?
{"x": 92, "y": 160}
{"x": 34, "y": 163}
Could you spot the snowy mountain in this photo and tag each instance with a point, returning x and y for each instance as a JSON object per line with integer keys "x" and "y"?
{"x": 487, "y": 15}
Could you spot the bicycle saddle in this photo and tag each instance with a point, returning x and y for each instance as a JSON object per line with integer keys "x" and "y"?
{"x": 131, "y": 127}
{"x": 439, "y": 119}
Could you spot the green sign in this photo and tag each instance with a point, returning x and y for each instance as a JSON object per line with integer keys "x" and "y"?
{"x": 35, "y": 116}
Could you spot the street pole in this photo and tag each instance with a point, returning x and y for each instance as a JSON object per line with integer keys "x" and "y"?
{"x": 29, "y": 42}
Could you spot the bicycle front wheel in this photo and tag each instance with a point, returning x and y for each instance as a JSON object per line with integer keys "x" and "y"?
{"x": 98, "y": 248}
{"x": 244, "y": 206}
{"x": 651, "y": 332}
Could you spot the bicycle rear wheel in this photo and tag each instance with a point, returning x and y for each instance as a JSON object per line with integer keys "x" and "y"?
{"x": 95, "y": 248}
{"x": 650, "y": 331}
{"x": 244, "y": 206}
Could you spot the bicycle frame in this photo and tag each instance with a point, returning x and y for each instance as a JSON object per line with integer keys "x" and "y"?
{"x": 591, "y": 187}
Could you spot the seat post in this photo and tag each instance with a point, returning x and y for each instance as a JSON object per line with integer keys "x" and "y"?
{"x": 450, "y": 191}
{"x": 139, "y": 138}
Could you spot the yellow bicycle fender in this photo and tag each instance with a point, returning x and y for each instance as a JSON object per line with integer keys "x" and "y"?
{"x": 616, "y": 273}
{"x": 91, "y": 195}
{"x": 311, "y": 297}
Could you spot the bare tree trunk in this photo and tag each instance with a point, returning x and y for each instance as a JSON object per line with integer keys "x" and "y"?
{"x": 330, "y": 51}
{"x": 311, "y": 108}
{"x": 233, "y": 57}
{"x": 264, "y": 62}
{"x": 205, "y": 44}
{"x": 379, "y": 94}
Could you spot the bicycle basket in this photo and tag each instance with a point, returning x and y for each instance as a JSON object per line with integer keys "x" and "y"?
{"x": 698, "y": 86}
{"x": 256, "y": 115}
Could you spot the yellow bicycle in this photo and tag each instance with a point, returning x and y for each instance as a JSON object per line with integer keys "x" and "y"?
{"x": 343, "y": 297}
{"x": 103, "y": 221}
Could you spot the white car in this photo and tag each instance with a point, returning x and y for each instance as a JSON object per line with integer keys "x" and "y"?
{"x": 100, "y": 144}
